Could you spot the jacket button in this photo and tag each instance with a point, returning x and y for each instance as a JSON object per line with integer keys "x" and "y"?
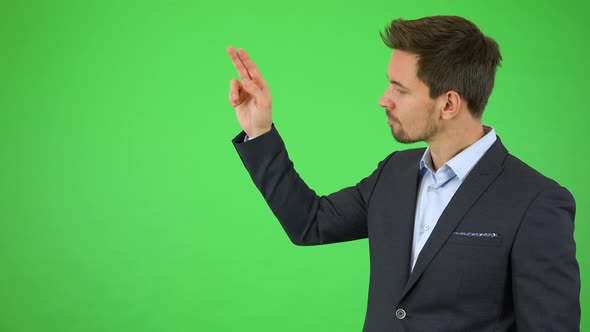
{"x": 400, "y": 313}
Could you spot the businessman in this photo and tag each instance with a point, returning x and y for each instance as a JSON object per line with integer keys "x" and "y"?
{"x": 463, "y": 236}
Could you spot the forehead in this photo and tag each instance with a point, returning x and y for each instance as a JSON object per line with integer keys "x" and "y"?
{"x": 402, "y": 67}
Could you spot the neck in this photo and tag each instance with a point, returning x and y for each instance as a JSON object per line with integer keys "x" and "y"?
{"x": 452, "y": 141}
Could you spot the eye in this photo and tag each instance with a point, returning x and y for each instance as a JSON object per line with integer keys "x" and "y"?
{"x": 401, "y": 92}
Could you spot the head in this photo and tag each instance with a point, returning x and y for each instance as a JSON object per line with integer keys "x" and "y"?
{"x": 441, "y": 74}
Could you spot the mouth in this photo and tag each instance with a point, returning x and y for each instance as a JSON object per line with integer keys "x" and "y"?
{"x": 391, "y": 120}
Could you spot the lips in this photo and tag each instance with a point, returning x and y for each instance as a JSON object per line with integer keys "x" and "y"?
{"x": 391, "y": 119}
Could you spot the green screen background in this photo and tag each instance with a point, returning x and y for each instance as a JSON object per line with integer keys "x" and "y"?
{"x": 124, "y": 205}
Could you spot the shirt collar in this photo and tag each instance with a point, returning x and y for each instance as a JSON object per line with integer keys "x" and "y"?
{"x": 463, "y": 162}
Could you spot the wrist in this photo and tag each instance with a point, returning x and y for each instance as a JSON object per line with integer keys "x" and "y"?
{"x": 257, "y": 133}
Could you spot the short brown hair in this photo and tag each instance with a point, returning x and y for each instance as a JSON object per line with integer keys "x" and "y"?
{"x": 453, "y": 54}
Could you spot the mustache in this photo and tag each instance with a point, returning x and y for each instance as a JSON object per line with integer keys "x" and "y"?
{"x": 393, "y": 118}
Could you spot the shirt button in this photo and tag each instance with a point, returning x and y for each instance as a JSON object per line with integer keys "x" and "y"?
{"x": 426, "y": 227}
{"x": 400, "y": 313}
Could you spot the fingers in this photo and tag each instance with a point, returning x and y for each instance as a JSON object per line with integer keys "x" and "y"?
{"x": 240, "y": 67}
{"x": 244, "y": 64}
{"x": 234, "y": 92}
{"x": 250, "y": 65}
{"x": 251, "y": 87}
{"x": 252, "y": 82}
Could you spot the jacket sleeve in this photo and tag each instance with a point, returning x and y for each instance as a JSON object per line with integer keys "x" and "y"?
{"x": 545, "y": 272}
{"x": 308, "y": 219}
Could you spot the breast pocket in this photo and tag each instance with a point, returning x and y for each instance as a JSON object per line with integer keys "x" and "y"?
{"x": 489, "y": 239}
{"x": 481, "y": 262}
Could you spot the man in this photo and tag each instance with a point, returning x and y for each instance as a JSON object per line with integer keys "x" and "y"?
{"x": 463, "y": 236}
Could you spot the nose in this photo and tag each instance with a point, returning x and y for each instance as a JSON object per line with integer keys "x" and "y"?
{"x": 385, "y": 101}
{"x": 382, "y": 101}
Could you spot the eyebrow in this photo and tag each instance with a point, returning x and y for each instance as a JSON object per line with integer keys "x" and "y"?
{"x": 396, "y": 82}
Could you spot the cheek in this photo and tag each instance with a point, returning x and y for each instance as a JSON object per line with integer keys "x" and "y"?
{"x": 413, "y": 115}
{"x": 408, "y": 102}
{"x": 407, "y": 109}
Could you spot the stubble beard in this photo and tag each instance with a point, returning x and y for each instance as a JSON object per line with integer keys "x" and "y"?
{"x": 402, "y": 136}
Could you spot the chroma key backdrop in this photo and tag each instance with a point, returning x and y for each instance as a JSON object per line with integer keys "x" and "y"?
{"x": 124, "y": 206}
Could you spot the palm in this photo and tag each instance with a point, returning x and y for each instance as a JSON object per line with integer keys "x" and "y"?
{"x": 249, "y": 113}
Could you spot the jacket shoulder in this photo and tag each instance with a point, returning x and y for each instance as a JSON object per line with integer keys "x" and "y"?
{"x": 525, "y": 176}
{"x": 408, "y": 156}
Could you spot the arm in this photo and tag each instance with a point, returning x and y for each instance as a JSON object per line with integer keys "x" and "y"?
{"x": 307, "y": 219}
{"x": 545, "y": 272}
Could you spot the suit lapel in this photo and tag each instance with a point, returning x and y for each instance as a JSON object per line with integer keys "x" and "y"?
{"x": 480, "y": 177}
{"x": 403, "y": 208}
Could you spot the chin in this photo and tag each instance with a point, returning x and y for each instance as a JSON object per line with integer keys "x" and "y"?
{"x": 402, "y": 137}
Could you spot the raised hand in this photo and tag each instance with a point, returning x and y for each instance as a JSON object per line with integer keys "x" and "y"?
{"x": 250, "y": 97}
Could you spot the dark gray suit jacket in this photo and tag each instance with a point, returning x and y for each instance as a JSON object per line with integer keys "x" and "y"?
{"x": 523, "y": 278}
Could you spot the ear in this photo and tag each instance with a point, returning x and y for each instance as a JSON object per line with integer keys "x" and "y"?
{"x": 451, "y": 104}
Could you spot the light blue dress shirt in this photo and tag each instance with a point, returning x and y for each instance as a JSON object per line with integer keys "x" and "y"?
{"x": 437, "y": 188}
